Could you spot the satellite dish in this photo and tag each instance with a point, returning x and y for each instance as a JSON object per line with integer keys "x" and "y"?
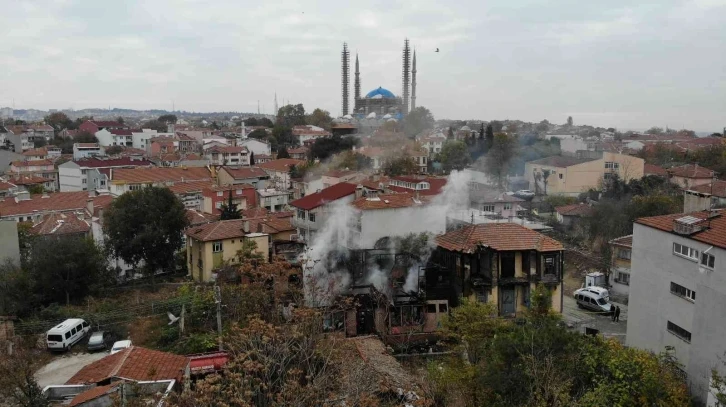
{"x": 172, "y": 318}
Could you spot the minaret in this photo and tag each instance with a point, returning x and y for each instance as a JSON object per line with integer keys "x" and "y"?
{"x": 345, "y": 76}
{"x": 276, "y": 108}
{"x": 413, "y": 82}
{"x": 406, "y": 74}
{"x": 357, "y": 83}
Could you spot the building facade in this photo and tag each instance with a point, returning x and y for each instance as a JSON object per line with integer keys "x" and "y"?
{"x": 619, "y": 284}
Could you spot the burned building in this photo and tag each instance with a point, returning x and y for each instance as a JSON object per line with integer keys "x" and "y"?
{"x": 496, "y": 263}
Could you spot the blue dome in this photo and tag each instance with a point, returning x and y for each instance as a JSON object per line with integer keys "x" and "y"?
{"x": 380, "y": 92}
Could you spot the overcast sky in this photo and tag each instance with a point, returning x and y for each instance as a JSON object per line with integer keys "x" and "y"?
{"x": 627, "y": 64}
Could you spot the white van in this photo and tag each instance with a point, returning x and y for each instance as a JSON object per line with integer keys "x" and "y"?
{"x": 66, "y": 334}
{"x": 593, "y": 298}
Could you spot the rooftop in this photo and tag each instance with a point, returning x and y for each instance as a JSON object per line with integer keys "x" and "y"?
{"x": 498, "y": 236}
{"x": 579, "y": 209}
{"x": 101, "y": 162}
{"x": 226, "y": 149}
{"x": 652, "y": 169}
{"x": 106, "y": 123}
{"x": 220, "y": 230}
{"x": 625, "y": 241}
{"x": 144, "y": 175}
{"x": 59, "y": 201}
{"x": 121, "y": 132}
{"x": 189, "y": 186}
{"x": 33, "y": 163}
{"x": 280, "y": 165}
{"x": 326, "y": 195}
{"x": 691, "y": 171}
{"x": 245, "y": 172}
{"x": 560, "y": 161}
{"x": 58, "y": 223}
{"x": 134, "y": 363}
{"x": 716, "y": 188}
{"x": 492, "y": 196}
{"x": 714, "y": 235}
{"x": 28, "y": 180}
{"x": 389, "y": 201}
{"x": 199, "y": 218}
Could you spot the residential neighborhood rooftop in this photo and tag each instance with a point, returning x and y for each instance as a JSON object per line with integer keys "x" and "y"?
{"x": 578, "y": 209}
{"x": 715, "y": 188}
{"x": 691, "y": 171}
{"x": 245, "y": 172}
{"x": 220, "y": 230}
{"x": 134, "y": 363}
{"x": 714, "y": 234}
{"x": 280, "y": 165}
{"x": 57, "y": 223}
{"x": 624, "y": 241}
{"x": 325, "y": 195}
{"x": 390, "y": 201}
{"x": 149, "y": 175}
{"x": 652, "y": 169}
{"x": 498, "y": 236}
{"x": 58, "y": 201}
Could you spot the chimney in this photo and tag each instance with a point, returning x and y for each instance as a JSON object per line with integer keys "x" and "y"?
{"x": 358, "y": 191}
{"x": 89, "y": 206}
{"x": 246, "y": 226}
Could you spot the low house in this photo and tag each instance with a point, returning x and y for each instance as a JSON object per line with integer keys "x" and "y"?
{"x": 690, "y": 175}
{"x": 652, "y": 169}
{"x": 243, "y": 195}
{"x": 85, "y": 150}
{"x": 209, "y": 245}
{"x": 115, "y": 137}
{"x": 261, "y": 158}
{"x": 42, "y": 153}
{"x": 123, "y": 180}
{"x": 571, "y": 215}
{"x": 37, "y": 168}
{"x": 432, "y": 143}
{"x": 235, "y": 175}
{"x": 574, "y": 175}
{"x": 63, "y": 224}
{"x": 299, "y": 153}
{"x": 227, "y": 155}
{"x": 705, "y": 197}
{"x": 20, "y": 139}
{"x": 28, "y": 182}
{"x": 302, "y": 187}
{"x": 376, "y": 154}
{"x": 279, "y": 172}
{"x": 496, "y": 204}
{"x": 258, "y": 147}
{"x": 7, "y": 188}
{"x": 496, "y": 263}
{"x": 619, "y": 283}
{"x": 312, "y": 211}
{"x": 333, "y": 177}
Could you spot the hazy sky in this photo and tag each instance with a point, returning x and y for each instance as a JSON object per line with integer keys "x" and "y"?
{"x": 628, "y": 64}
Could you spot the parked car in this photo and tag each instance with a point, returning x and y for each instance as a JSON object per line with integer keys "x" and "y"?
{"x": 66, "y": 334}
{"x": 118, "y": 346}
{"x": 99, "y": 340}
{"x": 524, "y": 194}
{"x": 592, "y": 299}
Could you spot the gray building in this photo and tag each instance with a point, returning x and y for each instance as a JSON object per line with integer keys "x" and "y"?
{"x": 9, "y": 246}
{"x": 678, "y": 292}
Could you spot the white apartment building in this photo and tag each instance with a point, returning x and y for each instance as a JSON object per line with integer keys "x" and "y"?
{"x": 227, "y": 155}
{"x": 678, "y": 292}
{"x": 74, "y": 175}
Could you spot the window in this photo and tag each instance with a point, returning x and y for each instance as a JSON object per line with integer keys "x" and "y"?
{"x": 683, "y": 292}
{"x": 238, "y": 192}
{"x": 507, "y": 206}
{"x": 68, "y": 335}
{"x": 622, "y": 278}
{"x": 624, "y": 254}
{"x": 430, "y": 308}
{"x": 84, "y": 181}
{"x": 311, "y": 216}
{"x": 134, "y": 187}
{"x": 679, "y": 332}
{"x": 220, "y": 193}
{"x": 611, "y": 165}
{"x": 218, "y": 205}
{"x": 216, "y": 247}
{"x": 300, "y": 214}
{"x": 561, "y": 176}
{"x": 487, "y": 208}
{"x": 685, "y": 251}
{"x": 708, "y": 260}
{"x": 443, "y": 308}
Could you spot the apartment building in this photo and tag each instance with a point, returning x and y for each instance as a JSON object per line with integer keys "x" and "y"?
{"x": 227, "y": 155}
{"x": 279, "y": 172}
{"x": 678, "y": 291}
{"x": 85, "y": 150}
{"x": 622, "y": 249}
{"x": 37, "y": 168}
{"x": 74, "y": 175}
{"x": 122, "y": 180}
{"x": 311, "y": 211}
{"x": 496, "y": 263}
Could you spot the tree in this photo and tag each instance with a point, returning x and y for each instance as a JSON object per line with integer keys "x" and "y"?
{"x": 654, "y": 130}
{"x": 252, "y": 158}
{"x": 418, "y": 120}
{"x": 85, "y": 137}
{"x": 258, "y": 134}
{"x": 497, "y": 126}
{"x": 451, "y": 134}
{"x": 282, "y": 153}
{"x": 113, "y": 150}
{"x": 215, "y": 126}
{"x": 167, "y": 119}
{"x": 291, "y": 115}
{"x": 67, "y": 267}
{"x": 395, "y": 166}
{"x": 352, "y": 160}
{"x": 569, "y": 121}
{"x": 499, "y": 156}
{"x": 36, "y": 189}
{"x": 145, "y": 226}
{"x": 120, "y": 119}
{"x": 454, "y": 155}
{"x": 40, "y": 142}
{"x": 18, "y": 291}
{"x": 156, "y": 125}
{"x": 325, "y": 147}
{"x": 59, "y": 121}
{"x": 489, "y": 137}
{"x": 229, "y": 210}
{"x": 320, "y": 118}
{"x": 18, "y": 386}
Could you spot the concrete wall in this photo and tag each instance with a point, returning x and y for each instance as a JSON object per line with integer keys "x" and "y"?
{"x": 70, "y": 177}
{"x": 9, "y": 247}
{"x": 652, "y": 305}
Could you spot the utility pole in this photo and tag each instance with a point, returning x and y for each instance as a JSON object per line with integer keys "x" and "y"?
{"x": 218, "y": 300}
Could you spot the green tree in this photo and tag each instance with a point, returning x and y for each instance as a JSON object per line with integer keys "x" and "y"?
{"x": 229, "y": 210}
{"x": 320, "y": 118}
{"x": 258, "y": 134}
{"x": 569, "y": 121}
{"x": 395, "y": 166}
{"x": 85, "y": 137}
{"x": 65, "y": 268}
{"x": 282, "y": 153}
{"x": 353, "y": 161}
{"x": 489, "y": 136}
{"x": 325, "y": 147}
{"x": 120, "y": 120}
{"x": 497, "y": 126}
{"x": 167, "y": 119}
{"x": 155, "y": 125}
{"x": 291, "y": 115}
{"x": 59, "y": 121}
{"x": 18, "y": 291}
{"x": 36, "y": 189}
{"x": 418, "y": 120}
{"x": 499, "y": 156}
{"x": 18, "y": 386}
{"x": 40, "y": 142}
{"x": 654, "y": 130}
{"x": 454, "y": 155}
{"x": 113, "y": 150}
{"x": 145, "y": 226}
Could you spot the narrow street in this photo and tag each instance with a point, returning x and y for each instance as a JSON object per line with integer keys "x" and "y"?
{"x": 579, "y": 319}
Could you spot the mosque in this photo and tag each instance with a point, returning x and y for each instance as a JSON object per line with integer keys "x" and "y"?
{"x": 379, "y": 103}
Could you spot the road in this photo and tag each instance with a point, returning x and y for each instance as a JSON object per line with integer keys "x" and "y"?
{"x": 62, "y": 368}
{"x": 579, "y": 319}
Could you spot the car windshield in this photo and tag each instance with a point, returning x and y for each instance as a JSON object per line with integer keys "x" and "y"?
{"x": 601, "y": 301}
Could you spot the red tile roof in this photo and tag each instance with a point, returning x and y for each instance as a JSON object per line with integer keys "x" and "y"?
{"x": 307, "y": 131}
{"x": 32, "y": 163}
{"x": 625, "y": 241}
{"x": 271, "y": 225}
{"x": 36, "y": 152}
{"x": 581, "y": 210}
{"x": 189, "y": 186}
{"x": 149, "y": 175}
{"x": 326, "y": 195}
{"x": 652, "y": 169}
{"x": 4, "y": 186}
{"x": 245, "y": 172}
{"x": 280, "y": 165}
{"x": 389, "y": 201}
{"x": 298, "y": 150}
{"x": 560, "y": 161}
{"x": 716, "y": 188}
{"x": 41, "y": 127}
{"x": 220, "y": 230}
{"x": 217, "y": 188}
{"x": 199, "y": 218}
{"x": 59, "y": 201}
{"x": 61, "y": 224}
{"x": 29, "y": 180}
{"x": 255, "y": 213}
{"x": 105, "y": 162}
{"x": 691, "y": 171}
{"x": 134, "y": 363}
{"x": 498, "y": 236}
{"x": 93, "y": 393}
{"x": 436, "y": 184}
{"x": 714, "y": 235}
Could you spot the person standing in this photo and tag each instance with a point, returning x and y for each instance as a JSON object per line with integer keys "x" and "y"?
{"x": 612, "y": 313}
{"x": 617, "y": 313}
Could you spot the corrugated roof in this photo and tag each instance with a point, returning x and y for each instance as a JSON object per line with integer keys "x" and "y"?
{"x": 32, "y": 163}
{"x": 714, "y": 235}
{"x": 560, "y": 161}
{"x": 191, "y": 186}
{"x": 498, "y": 236}
{"x": 133, "y": 363}
{"x": 716, "y": 188}
{"x": 96, "y": 162}
{"x": 652, "y": 169}
{"x": 326, "y": 195}
{"x": 199, "y": 218}
{"x": 93, "y": 393}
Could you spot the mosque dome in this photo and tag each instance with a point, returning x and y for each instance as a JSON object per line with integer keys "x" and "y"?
{"x": 380, "y": 93}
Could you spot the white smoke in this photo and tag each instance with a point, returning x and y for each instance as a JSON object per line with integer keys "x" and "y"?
{"x": 337, "y": 237}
